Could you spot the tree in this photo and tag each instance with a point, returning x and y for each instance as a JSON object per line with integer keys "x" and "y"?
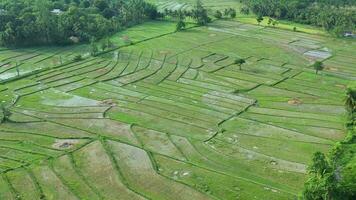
{"x": 17, "y": 69}
{"x": 318, "y": 65}
{"x": 93, "y": 48}
{"x": 103, "y": 46}
{"x": 218, "y": 14}
{"x": 5, "y": 114}
{"x": 232, "y": 13}
{"x": 350, "y": 100}
{"x": 77, "y": 58}
{"x": 35, "y": 22}
{"x": 245, "y": 10}
{"x": 320, "y": 164}
{"x": 109, "y": 43}
{"x": 333, "y": 177}
{"x": 200, "y": 14}
{"x": 317, "y": 186}
{"x": 181, "y": 23}
{"x": 101, "y": 4}
{"x": 259, "y": 19}
{"x": 275, "y": 23}
{"x": 239, "y": 62}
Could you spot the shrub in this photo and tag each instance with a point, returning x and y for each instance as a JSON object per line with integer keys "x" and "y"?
{"x": 77, "y": 58}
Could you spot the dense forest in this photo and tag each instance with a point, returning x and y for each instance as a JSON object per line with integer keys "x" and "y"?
{"x": 336, "y": 16}
{"x": 38, "y": 22}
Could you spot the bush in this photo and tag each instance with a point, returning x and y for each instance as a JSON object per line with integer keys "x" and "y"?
{"x": 77, "y": 58}
{"x": 218, "y": 14}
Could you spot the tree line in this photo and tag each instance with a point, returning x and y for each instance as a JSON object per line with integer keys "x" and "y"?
{"x": 61, "y": 22}
{"x": 333, "y": 175}
{"x": 335, "y": 16}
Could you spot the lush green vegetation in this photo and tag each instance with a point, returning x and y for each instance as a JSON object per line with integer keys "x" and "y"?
{"x": 38, "y": 22}
{"x": 337, "y": 16}
{"x": 169, "y": 109}
{"x": 334, "y": 176}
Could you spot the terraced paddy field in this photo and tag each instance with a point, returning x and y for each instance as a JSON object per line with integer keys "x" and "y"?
{"x": 189, "y": 4}
{"x": 172, "y": 116}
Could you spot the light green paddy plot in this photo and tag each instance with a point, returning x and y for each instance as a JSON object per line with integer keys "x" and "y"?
{"x": 211, "y": 5}
{"x": 200, "y": 42}
{"x": 143, "y": 31}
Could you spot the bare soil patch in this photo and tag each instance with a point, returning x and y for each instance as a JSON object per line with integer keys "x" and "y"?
{"x": 295, "y": 101}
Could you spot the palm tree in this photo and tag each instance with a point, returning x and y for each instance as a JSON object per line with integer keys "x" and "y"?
{"x": 239, "y": 62}
{"x": 5, "y": 114}
{"x": 318, "y": 65}
{"x": 350, "y": 100}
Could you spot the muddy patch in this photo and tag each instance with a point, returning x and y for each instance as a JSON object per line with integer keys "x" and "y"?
{"x": 332, "y": 69}
{"x": 64, "y": 144}
{"x": 109, "y": 102}
{"x": 295, "y": 101}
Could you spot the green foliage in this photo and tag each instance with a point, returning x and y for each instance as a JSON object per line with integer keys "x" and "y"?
{"x": 245, "y": 10}
{"x": 337, "y": 16}
{"x": 218, "y": 14}
{"x": 103, "y": 46}
{"x": 109, "y": 43}
{"x": 239, "y": 61}
{"x": 272, "y": 22}
{"x": 230, "y": 12}
{"x": 318, "y": 65}
{"x": 180, "y": 25}
{"x": 37, "y": 23}
{"x": 93, "y": 48}
{"x": 334, "y": 177}
{"x": 77, "y": 58}
{"x": 259, "y": 19}
{"x": 350, "y": 100}
{"x": 200, "y": 14}
{"x": 5, "y": 114}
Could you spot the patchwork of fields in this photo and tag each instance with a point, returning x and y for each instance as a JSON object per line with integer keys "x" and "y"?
{"x": 172, "y": 117}
{"x": 189, "y": 4}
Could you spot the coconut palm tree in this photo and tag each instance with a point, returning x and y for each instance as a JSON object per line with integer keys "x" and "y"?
{"x": 350, "y": 100}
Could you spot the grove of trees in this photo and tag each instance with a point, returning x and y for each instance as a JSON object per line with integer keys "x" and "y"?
{"x": 333, "y": 176}
{"x": 336, "y": 16}
{"x": 39, "y": 22}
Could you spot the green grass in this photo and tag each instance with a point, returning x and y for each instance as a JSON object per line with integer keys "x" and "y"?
{"x": 282, "y": 24}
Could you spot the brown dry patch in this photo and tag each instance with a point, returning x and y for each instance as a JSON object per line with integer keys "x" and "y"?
{"x": 64, "y": 144}
{"x": 341, "y": 86}
{"x": 332, "y": 69}
{"x": 109, "y": 102}
{"x": 295, "y": 101}
{"x": 164, "y": 52}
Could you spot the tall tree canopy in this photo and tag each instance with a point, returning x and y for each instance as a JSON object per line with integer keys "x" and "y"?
{"x": 37, "y": 22}
{"x": 337, "y": 16}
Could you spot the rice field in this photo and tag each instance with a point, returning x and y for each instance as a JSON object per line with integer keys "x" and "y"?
{"x": 171, "y": 116}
